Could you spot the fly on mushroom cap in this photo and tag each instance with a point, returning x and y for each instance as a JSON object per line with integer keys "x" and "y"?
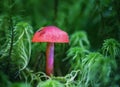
{"x": 51, "y": 34}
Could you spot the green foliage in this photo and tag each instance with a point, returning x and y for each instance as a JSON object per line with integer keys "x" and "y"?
{"x": 91, "y": 59}
{"x": 22, "y": 45}
{"x": 4, "y": 82}
{"x": 79, "y": 48}
{"x": 20, "y": 85}
{"x": 21, "y": 51}
{"x": 111, "y": 47}
{"x": 97, "y": 69}
{"x": 66, "y": 81}
{"x": 50, "y": 83}
{"x": 80, "y": 39}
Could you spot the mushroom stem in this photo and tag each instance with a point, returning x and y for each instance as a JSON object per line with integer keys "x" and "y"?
{"x": 49, "y": 58}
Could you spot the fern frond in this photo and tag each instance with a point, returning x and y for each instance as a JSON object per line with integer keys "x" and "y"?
{"x": 80, "y": 39}
{"x": 111, "y": 47}
{"x": 22, "y": 46}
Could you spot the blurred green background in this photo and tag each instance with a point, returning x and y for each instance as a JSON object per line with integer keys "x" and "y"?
{"x": 91, "y": 59}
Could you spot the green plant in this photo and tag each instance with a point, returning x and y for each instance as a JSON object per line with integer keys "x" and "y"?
{"x": 79, "y": 48}
{"x": 22, "y": 45}
{"x": 96, "y": 68}
{"x": 90, "y": 60}
{"x": 111, "y": 48}
{"x": 18, "y": 52}
{"x": 50, "y": 83}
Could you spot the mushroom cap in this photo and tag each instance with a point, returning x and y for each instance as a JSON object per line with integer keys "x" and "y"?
{"x": 50, "y": 34}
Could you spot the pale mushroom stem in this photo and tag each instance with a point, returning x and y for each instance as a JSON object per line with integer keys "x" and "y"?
{"x": 50, "y": 58}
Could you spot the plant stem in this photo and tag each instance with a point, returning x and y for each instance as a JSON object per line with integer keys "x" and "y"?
{"x": 50, "y": 58}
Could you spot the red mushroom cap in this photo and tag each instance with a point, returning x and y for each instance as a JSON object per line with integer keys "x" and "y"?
{"x": 50, "y": 34}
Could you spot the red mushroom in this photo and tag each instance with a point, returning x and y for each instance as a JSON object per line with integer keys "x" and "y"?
{"x": 51, "y": 35}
